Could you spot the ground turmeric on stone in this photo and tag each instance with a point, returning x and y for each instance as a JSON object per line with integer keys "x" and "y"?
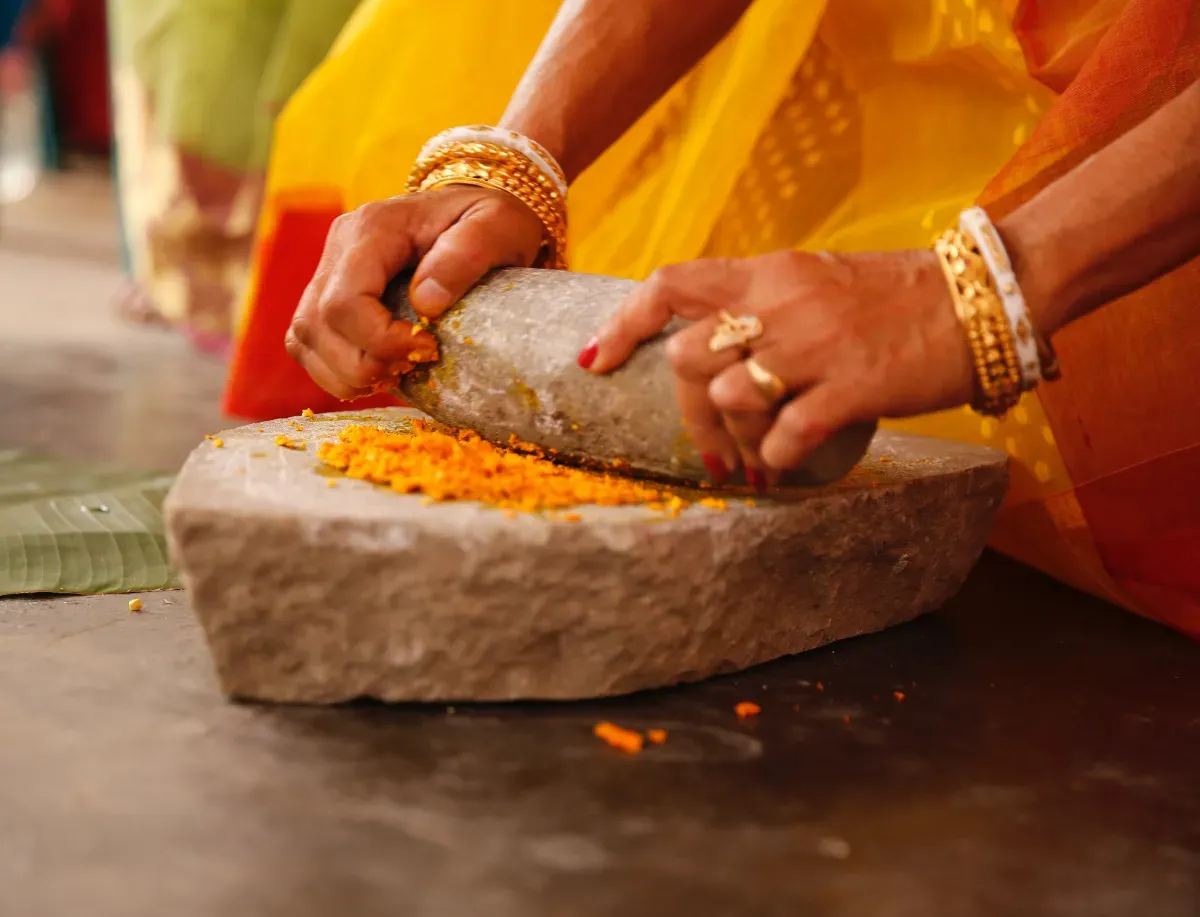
{"x": 461, "y": 465}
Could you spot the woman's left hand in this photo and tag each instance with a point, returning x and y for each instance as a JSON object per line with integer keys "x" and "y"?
{"x": 853, "y": 338}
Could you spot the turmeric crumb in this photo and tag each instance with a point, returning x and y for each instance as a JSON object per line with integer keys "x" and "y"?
{"x": 752, "y": 503}
{"x": 747, "y": 709}
{"x": 715, "y": 503}
{"x": 135, "y": 605}
{"x": 218, "y": 443}
{"x": 421, "y": 356}
{"x": 286, "y": 442}
{"x": 468, "y": 340}
{"x": 296, "y": 426}
{"x": 657, "y": 736}
{"x": 899, "y": 695}
{"x": 625, "y": 740}
{"x": 307, "y": 412}
{"x": 445, "y": 466}
{"x": 331, "y": 483}
{"x": 572, "y": 517}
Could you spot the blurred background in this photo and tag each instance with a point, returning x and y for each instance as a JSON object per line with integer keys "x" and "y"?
{"x": 127, "y": 213}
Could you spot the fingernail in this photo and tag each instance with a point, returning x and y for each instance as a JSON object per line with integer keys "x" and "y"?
{"x": 716, "y": 468}
{"x": 431, "y": 296}
{"x": 756, "y": 479}
{"x": 587, "y": 356}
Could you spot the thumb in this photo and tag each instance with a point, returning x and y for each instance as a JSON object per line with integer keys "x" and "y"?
{"x": 479, "y": 241}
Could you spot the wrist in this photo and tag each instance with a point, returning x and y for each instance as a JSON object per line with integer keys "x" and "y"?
{"x": 1045, "y": 269}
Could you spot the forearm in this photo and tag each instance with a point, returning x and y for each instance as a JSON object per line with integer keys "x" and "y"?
{"x": 604, "y": 63}
{"x": 1121, "y": 219}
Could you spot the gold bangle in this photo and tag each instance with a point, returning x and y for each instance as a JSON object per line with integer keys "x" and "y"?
{"x": 984, "y": 321}
{"x": 488, "y": 165}
{"x": 483, "y": 151}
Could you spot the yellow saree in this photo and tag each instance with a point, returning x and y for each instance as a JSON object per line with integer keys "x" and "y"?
{"x": 849, "y": 125}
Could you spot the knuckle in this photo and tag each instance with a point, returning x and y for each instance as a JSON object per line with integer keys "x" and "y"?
{"x": 726, "y": 397}
{"x": 470, "y": 248}
{"x": 677, "y": 353}
{"x": 795, "y": 422}
{"x": 292, "y": 344}
{"x": 665, "y": 280}
{"x": 344, "y": 224}
{"x": 362, "y": 373}
{"x": 299, "y": 333}
{"x": 371, "y": 213}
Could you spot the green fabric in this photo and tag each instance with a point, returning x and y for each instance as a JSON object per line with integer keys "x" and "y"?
{"x": 218, "y": 71}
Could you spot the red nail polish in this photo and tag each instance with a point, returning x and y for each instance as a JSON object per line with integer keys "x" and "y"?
{"x": 756, "y": 479}
{"x": 587, "y": 356}
{"x": 716, "y": 468}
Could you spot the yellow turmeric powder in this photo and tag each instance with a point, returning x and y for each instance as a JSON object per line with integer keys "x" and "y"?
{"x": 463, "y": 466}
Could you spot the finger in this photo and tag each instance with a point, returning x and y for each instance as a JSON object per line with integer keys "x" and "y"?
{"x": 480, "y": 241}
{"x": 747, "y": 430}
{"x": 748, "y": 412}
{"x": 320, "y": 372}
{"x": 368, "y": 247}
{"x": 735, "y": 391}
{"x": 695, "y": 365}
{"x": 703, "y": 424}
{"x": 348, "y": 363}
{"x": 691, "y": 357}
{"x": 806, "y": 422}
{"x": 366, "y": 324}
{"x": 689, "y": 291}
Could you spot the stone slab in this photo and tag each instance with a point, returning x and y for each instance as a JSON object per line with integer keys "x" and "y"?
{"x": 309, "y": 593}
{"x": 507, "y": 366}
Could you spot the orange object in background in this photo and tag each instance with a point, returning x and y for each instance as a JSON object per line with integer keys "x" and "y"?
{"x": 1126, "y": 419}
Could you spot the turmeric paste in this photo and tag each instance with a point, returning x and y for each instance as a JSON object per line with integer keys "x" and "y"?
{"x": 461, "y": 465}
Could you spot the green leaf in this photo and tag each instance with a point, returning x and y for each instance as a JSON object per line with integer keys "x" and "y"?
{"x": 72, "y": 527}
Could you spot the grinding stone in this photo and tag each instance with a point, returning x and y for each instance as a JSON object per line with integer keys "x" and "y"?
{"x": 311, "y": 593}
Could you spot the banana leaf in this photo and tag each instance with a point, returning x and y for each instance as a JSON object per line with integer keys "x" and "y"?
{"x": 77, "y": 528}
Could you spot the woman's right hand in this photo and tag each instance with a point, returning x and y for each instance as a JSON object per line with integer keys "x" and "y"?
{"x": 342, "y": 334}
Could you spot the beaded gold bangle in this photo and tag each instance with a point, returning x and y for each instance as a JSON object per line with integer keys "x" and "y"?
{"x": 985, "y": 322}
{"x": 491, "y": 165}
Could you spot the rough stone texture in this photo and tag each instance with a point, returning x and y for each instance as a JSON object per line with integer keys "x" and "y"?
{"x": 316, "y": 594}
{"x": 508, "y": 366}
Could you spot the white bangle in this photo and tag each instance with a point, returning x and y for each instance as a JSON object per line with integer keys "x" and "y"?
{"x": 976, "y": 224}
{"x": 510, "y": 140}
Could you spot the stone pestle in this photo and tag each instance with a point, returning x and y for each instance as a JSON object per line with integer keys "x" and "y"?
{"x": 507, "y": 367}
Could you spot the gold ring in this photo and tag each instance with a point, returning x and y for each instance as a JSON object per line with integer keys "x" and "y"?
{"x": 769, "y": 385}
{"x": 734, "y": 331}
